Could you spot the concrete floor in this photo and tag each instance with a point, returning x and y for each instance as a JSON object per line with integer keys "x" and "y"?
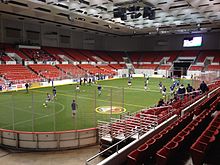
{"x": 70, "y": 157}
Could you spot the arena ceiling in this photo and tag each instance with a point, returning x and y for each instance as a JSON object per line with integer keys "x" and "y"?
{"x": 171, "y": 16}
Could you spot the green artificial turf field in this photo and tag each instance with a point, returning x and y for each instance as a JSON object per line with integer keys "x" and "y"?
{"x": 22, "y": 111}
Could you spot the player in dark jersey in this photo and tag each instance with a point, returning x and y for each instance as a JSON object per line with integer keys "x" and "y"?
{"x": 160, "y": 86}
{"x": 54, "y": 92}
{"x": 99, "y": 89}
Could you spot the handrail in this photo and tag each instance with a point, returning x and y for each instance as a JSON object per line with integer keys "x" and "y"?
{"x": 139, "y": 131}
{"x": 116, "y": 144}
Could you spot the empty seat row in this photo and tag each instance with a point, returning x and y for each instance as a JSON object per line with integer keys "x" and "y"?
{"x": 151, "y": 146}
{"x": 185, "y": 138}
{"x": 205, "y": 141}
{"x": 18, "y": 73}
{"x": 47, "y": 71}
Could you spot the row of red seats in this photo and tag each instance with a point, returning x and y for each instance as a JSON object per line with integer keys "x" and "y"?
{"x": 5, "y": 58}
{"x": 164, "y": 67}
{"x": 89, "y": 54}
{"x": 183, "y": 139}
{"x": 73, "y": 70}
{"x": 117, "y": 66}
{"x": 75, "y": 55}
{"x": 94, "y": 70}
{"x": 141, "y": 154}
{"x": 47, "y": 71}
{"x": 205, "y": 141}
{"x": 55, "y": 52}
{"x": 209, "y": 53}
{"x": 107, "y": 69}
{"x": 196, "y": 67}
{"x": 151, "y": 146}
{"x": 17, "y": 73}
{"x": 213, "y": 67}
{"x": 105, "y": 56}
{"x": 146, "y": 66}
{"x": 37, "y": 54}
{"x": 206, "y": 103}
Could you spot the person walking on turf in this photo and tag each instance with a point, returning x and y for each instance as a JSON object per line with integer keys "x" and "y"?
{"x": 160, "y": 86}
{"x": 145, "y": 86}
{"x": 54, "y": 92}
{"x": 77, "y": 88}
{"x": 129, "y": 83}
{"x": 147, "y": 80}
{"x": 99, "y": 89}
{"x": 26, "y": 86}
{"x": 73, "y": 106}
{"x": 47, "y": 100}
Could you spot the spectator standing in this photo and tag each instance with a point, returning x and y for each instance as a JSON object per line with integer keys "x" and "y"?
{"x": 189, "y": 88}
{"x": 181, "y": 91}
{"x": 203, "y": 87}
{"x": 160, "y": 103}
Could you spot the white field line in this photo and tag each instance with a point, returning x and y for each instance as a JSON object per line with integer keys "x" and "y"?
{"x": 19, "y": 109}
{"x": 25, "y": 121}
{"x": 88, "y": 98}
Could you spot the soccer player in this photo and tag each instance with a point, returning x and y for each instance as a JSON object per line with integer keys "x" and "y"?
{"x": 99, "y": 89}
{"x": 145, "y": 86}
{"x": 90, "y": 81}
{"x": 80, "y": 81}
{"x": 48, "y": 99}
{"x": 77, "y": 88}
{"x": 129, "y": 83}
{"x": 160, "y": 86}
{"x": 73, "y": 106}
{"x": 147, "y": 79}
{"x": 84, "y": 81}
{"x": 26, "y": 86}
{"x": 54, "y": 92}
{"x": 172, "y": 87}
{"x": 178, "y": 82}
{"x": 164, "y": 89}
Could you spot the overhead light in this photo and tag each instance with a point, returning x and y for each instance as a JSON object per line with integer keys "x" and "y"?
{"x": 148, "y": 13}
{"x": 119, "y": 12}
{"x": 124, "y": 17}
{"x": 137, "y": 15}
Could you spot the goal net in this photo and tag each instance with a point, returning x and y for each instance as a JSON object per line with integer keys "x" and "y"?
{"x": 208, "y": 77}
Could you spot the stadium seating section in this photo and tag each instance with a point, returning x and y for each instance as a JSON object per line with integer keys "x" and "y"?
{"x": 213, "y": 67}
{"x": 146, "y": 66}
{"x": 197, "y": 135}
{"x": 214, "y": 54}
{"x": 75, "y": 55}
{"x": 164, "y": 67}
{"x": 18, "y": 74}
{"x": 93, "y": 69}
{"x": 48, "y": 71}
{"x": 37, "y": 55}
{"x": 73, "y": 70}
{"x": 89, "y": 60}
{"x": 55, "y": 52}
{"x": 196, "y": 67}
